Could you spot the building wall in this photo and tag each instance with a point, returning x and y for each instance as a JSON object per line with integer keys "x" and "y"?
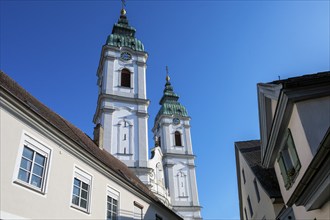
{"x": 265, "y": 207}
{"x": 118, "y": 104}
{"x": 318, "y": 110}
{"x": 318, "y": 214}
{"x": 18, "y": 201}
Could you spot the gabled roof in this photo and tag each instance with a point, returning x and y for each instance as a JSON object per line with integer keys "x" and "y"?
{"x": 305, "y": 80}
{"x": 250, "y": 150}
{"x": 74, "y": 134}
{"x": 285, "y": 93}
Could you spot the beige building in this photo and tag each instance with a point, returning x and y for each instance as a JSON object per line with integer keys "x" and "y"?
{"x": 259, "y": 194}
{"x": 294, "y": 117}
{"x": 51, "y": 169}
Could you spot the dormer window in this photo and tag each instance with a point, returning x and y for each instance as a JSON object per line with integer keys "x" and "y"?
{"x": 288, "y": 161}
{"x": 125, "y": 78}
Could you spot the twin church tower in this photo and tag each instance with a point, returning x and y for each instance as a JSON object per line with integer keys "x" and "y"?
{"x": 121, "y": 120}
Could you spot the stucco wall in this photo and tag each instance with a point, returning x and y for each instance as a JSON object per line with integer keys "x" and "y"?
{"x": 263, "y": 208}
{"x": 18, "y": 201}
{"x": 318, "y": 112}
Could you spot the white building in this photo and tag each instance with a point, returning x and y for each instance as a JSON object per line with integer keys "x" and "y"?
{"x": 47, "y": 164}
{"x": 122, "y": 129}
{"x": 51, "y": 170}
{"x": 294, "y": 116}
{"x": 172, "y": 133}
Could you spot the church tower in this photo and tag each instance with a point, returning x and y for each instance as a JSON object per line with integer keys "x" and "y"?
{"x": 172, "y": 132}
{"x": 122, "y": 107}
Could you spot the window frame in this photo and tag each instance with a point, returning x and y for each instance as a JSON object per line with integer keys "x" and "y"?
{"x": 126, "y": 78}
{"x": 256, "y": 188}
{"x": 243, "y": 174}
{"x": 250, "y": 206}
{"x": 288, "y": 160}
{"x": 38, "y": 147}
{"x": 86, "y": 178}
{"x": 246, "y": 216}
{"x": 115, "y": 195}
{"x": 177, "y": 139}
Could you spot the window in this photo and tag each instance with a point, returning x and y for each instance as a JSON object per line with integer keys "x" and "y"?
{"x": 138, "y": 211}
{"x": 112, "y": 204}
{"x": 112, "y": 207}
{"x": 250, "y": 206}
{"x": 246, "y": 216}
{"x": 288, "y": 160}
{"x": 243, "y": 174}
{"x": 125, "y": 78}
{"x": 33, "y": 164}
{"x": 81, "y": 190}
{"x": 177, "y": 136}
{"x": 256, "y": 189}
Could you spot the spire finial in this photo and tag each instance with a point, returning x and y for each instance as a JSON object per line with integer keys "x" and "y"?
{"x": 123, "y": 4}
{"x": 167, "y": 76}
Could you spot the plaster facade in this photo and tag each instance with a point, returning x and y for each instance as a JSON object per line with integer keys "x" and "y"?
{"x": 265, "y": 207}
{"x": 21, "y": 127}
{"x": 294, "y": 117}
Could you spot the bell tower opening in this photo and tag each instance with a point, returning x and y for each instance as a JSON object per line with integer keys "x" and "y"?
{"x": 125, "y": 78}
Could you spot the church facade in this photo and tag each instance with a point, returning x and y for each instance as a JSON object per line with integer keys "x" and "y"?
{"x": 48, "y": 164}
{"x": 121, "y": 120}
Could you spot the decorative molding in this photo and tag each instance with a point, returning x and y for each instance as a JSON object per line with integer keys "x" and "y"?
{"x": 142, "y": 114}
{"x": 140, "y": 64}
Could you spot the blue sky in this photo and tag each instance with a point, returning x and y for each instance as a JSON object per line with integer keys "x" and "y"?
{"x": 217, "y": 51}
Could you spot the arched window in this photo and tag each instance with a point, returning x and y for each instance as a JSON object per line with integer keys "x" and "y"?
{"x": 125, "y": 78}
{"x": 177, "y": 136}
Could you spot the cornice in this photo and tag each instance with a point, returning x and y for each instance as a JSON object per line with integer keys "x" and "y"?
{"x": 124, "y": 99}
{"x": 182, "y": 118}
{"x": 108, "y": 97}
{"x": 142, "y": 114}
{"x": 140, "y": 64}
{"x": 121, "y": 49}
{"x": 176, "y": 155}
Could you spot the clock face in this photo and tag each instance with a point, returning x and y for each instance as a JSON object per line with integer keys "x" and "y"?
{"x": 125, "y": 56}
{"x": 176, "y": 121}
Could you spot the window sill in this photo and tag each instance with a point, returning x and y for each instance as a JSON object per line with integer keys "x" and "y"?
{"x": 178, "y": 146}
{"x": 80, "y": 209}
{"x": 125, "y": 87}
{"x": 291, "y": 180}
{"x": 29, "y": 186}
{"x": 183, "y": 197}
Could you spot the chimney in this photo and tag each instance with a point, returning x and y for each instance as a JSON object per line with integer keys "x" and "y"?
{"x": 98, "y": 136}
